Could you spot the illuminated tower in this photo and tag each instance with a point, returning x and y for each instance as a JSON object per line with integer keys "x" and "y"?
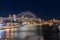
{"x": 1, "y": 21}
{"x": 10, "y": 17}
{"x": 14, "y": 17}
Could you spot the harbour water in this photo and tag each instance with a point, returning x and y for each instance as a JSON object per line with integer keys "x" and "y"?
{"x": 44, "y": 32}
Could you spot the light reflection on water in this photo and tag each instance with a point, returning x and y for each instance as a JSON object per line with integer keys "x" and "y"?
{"x": 1, "y": 33}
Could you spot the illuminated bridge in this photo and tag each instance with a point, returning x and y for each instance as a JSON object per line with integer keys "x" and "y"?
{"x": 23, "y": 25}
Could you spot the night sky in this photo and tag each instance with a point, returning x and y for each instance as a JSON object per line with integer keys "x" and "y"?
{"x": 43, "y": 9}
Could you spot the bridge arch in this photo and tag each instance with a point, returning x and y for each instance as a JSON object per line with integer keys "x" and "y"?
{"x": 27, "y": 14}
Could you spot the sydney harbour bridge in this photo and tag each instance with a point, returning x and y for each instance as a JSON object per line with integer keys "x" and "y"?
{"x": 26, "y": 25}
